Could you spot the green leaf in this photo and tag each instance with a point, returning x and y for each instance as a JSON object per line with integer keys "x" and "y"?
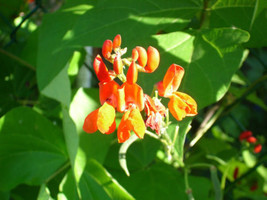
{"x": 95, "y": 183}
{"x": 52, "y": 57}
{"x": 205, "y": 56}
{"x": 31, "y": 148}
{"x": 161, "y": 181}
{"x": 44, "y": 193}
{"x": 82, "y": 25}
{"x": 249, "y": 15}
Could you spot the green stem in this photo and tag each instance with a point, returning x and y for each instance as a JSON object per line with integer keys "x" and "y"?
{"x": 65, "y": 166}
{"x": 209, "y": 120}
{"x": 188, "y": 190}
{"x": 248, "y": 91}
{"x": 19, "y": 60}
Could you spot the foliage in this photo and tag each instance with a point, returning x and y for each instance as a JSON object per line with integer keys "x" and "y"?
{"x": 44, "y": 152}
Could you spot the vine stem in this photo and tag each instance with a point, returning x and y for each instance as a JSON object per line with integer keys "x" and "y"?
{"x": 12, "y": 56}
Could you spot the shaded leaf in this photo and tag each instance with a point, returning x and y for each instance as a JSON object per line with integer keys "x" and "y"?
{"x": 31, "y": 148}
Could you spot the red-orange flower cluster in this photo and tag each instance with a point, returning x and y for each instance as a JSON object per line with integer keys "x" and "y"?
{"x": 248, "y": 136}
{"x": 128, "y": 98}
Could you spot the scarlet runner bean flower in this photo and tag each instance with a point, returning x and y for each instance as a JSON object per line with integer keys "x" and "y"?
{"x": 129, "y": 98}
{"x": 180, "y": 104}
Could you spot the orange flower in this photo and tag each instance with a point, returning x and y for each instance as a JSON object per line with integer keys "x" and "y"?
{"x": 180, "y": 104}
{"x": 131, "y": 121}
{"x": 131, "y": 101}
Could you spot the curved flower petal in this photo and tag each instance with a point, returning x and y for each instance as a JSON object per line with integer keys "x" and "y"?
{"x": 108, "y": 92}
{"x": 89, "y": 125}
{"x": 131, "y": 121}
{"x": 124, "y": 132}
{"x": 106, "y": 118}
{"x": 136, "y": 123}
{"x": 101, "y": 70}
{"x": 182, "y": 105}
{"x": 191, "y": 103}
{"x": 171, "y": 80}
{"x": 134, "y": 95}
{"x": 102, "y": 119}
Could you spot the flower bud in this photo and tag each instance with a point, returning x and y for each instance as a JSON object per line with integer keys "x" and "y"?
{"x": 135, "y": 55}
{"x": 153, "y": 59}
{"x": 117, "y": 41}
{"x": 142, "y": 56}
{"x": 101, "y": 70}
{"x": 117, "y": 65}
{"x": 132, "y": 73}
{"x": 107, "y": 49}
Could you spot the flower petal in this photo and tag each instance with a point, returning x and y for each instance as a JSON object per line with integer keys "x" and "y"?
{"x": 124, "y": 132}
{"x": 182, "y": 105}
{"x": 105, "y": 118}
{"x": 191, "y": 103}
{"x": 89, "y": 125}
{"x": 172, "y": 79}
{"x": 133, "y": 95}
{"x": 136, "y": 123}
{"x": 108, "y": 92}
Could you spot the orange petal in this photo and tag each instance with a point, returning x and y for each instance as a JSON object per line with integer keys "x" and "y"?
{"x": 160, "y": 88}
{"x": 136, "y": 123}
{"x": 182, "y": 105}
{"x": 153, "y": 59}
{"x": 117, "y": 41}
{"x": 177, "y": 108}
{"x": 191, "y": 103}
{"x": 108, "y": 92}
{"x": 89, "y": 125}
{"x": 135, "y": 54}
{"x": 133, "y": 95}
{"x": 142, "y": 59}
{"x": 101, "y": 70}
{"x": 105, "y": 119}
{"x": 107, "y": 49}
{"x": 124, "y": 132}
{"x": 132, "y": 73}
{"x": 172, "y": 79}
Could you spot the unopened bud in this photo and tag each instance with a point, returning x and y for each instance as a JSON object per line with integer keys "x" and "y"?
{"x": 153, "y": 59}
{"x": 142, "y": 58}
{"x": 107, "y": 49}
{"x": 117, "y": 41}
{"x": 132, "y": 73}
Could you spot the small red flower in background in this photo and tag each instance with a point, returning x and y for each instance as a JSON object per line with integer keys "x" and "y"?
{"x": 248, "y": 136}
{"x": 245, "y": 135}
{"x": 129, "y": 98}
{"x": 257, "y": 148}
{"x": 235, "y": 175}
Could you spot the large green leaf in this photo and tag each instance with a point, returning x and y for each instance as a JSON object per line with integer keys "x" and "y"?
{"x": 70, "y": 28}
{"x": 95, "y": 183}
{"x": 248, "y": 15}
{"x": 210, "y": 59}
{"x": 31, "y": 148}
{"x": 162, "y": 181}
{"x": 51, "y": 57}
